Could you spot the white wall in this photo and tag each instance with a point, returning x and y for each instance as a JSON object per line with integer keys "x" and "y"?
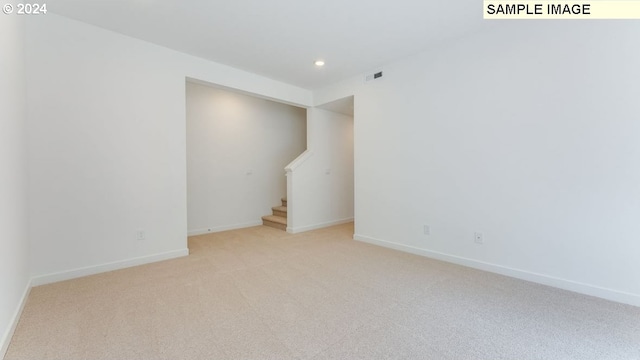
{"x": 107, "y": 133}
{"x": 527, "y": 132}
{"x": 237, "y": 148}
{"x": 14, "y": 270}
{"x": 320, "y": 184}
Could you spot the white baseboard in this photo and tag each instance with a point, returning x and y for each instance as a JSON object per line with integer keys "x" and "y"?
{"x": 591, "y": 290}
{"x": 6, "y": 337}
{"x": 215, "y": 229}
{"x": 317, "y": 226}
{"x": 116, "y": 265}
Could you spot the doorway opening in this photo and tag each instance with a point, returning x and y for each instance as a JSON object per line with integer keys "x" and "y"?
{"x": 237, "y": 148}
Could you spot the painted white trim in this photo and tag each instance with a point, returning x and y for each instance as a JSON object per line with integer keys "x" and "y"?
{"x": 6, "y": 338}
{"x": 300, "y": 229}
{"x": 298, "y": 161}
{"x": 582, "y": 288}
{"x": 116, "y": 265}
{"x": 215, "y": 229}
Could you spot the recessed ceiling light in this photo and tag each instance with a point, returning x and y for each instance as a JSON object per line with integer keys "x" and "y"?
{"x": 319, "y": 63}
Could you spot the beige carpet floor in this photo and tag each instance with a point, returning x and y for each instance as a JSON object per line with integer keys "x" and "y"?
{"x": 260, "y": 293}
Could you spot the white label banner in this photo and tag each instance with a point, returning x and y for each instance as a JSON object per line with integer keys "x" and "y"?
{"x": 597, "y": 9}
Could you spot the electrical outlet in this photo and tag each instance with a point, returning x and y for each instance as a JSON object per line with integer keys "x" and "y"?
{"x": 478, "y": 238}
{"x": 427, "y": 230}
{"x": 140, "y": 235}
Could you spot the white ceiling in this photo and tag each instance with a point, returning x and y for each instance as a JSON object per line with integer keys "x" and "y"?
{"x": 280, "y": 39}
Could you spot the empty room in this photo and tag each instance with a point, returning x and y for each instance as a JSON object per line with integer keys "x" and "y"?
{"x": 447, "y": 180}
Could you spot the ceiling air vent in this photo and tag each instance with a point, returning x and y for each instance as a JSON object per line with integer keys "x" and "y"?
{"x": 374, "y": 76}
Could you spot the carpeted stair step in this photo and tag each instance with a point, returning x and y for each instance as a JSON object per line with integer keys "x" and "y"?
{"x": 273, "y": 221}
{"x": 279, "y": 211}
{"x": 284, "y": 201}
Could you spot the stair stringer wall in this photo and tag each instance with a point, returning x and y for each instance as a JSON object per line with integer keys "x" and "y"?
{"x": 320, "y": 181}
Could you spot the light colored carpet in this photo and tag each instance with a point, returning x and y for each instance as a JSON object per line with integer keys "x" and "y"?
{"x": 260, "y": 293}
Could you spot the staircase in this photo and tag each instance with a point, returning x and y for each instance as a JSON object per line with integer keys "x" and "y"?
{"x": 279, "y": 218}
